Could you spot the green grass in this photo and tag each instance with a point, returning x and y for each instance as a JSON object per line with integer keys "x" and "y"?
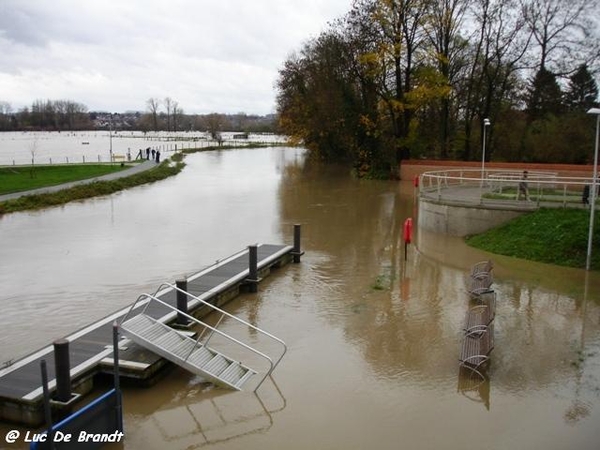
{"x": 23, "y": 178}
{"x": 167, "y": 168}
{"x": 548, "y": 195}
{"x": 555, "y": 236}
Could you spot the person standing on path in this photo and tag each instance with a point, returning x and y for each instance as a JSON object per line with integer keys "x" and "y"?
{"x": 523, "y": 187}
{"x": 585, "y": 198}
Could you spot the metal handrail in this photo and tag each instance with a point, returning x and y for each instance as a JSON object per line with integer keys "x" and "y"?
{"x": 438, "y": 183}
{"x": 225, "y": 335}
{"x": 133, "y": 306}
{"x": 215, "y": 308}
{"x": 499, "y": 176}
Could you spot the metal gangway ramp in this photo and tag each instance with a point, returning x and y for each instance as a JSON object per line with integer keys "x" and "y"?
{"x": 193, "y": 354}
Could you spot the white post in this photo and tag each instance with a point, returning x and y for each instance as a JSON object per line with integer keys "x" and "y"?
{"x": 110, "y": 137}
{"x": 593, "y": 202}
{"x": 486, "y": 123}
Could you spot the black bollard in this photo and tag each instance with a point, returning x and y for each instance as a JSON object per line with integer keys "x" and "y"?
{"x": 182, "y": 303}
{"x": 62, "y": 369}
{"x": 253, "y": 267}
{"x": 47, "y": 407}
{"x": 297, "y": 252}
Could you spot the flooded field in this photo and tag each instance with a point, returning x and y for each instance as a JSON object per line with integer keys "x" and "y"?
{"x": 68, "y": 147}
{"x": 373, "y": 338}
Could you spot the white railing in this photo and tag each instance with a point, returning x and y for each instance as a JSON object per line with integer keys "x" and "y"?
{"x": 500, "y": 188}
{"x": 224, "y": 313}
{"x": 146, "y": 300}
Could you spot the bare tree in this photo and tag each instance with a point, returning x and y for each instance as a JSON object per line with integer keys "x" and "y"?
{"x": 497, "y": 48}
{"x": 444, "y": 31}
{"x": 33, "y": 148}
{"x": 5, "y": 112}
{"x": 153, "y": 104}
{"x": 564, "y": 32}
{"x": 177, "y": 113}
{"x": 169, "y": 105}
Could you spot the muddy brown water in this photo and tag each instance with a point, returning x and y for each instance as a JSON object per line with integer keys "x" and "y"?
{"x": 373, "y": 339}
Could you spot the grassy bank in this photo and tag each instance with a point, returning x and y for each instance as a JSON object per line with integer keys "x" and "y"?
{"x": 165, "y": 169}
{"x": 22, "y": 178}
{"x": 555, "y": 236}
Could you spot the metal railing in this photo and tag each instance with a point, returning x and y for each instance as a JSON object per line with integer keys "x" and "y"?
{"x": 150, "y": 298}
{"x": 231, "y": 316}
{"x": 500, "y": 188}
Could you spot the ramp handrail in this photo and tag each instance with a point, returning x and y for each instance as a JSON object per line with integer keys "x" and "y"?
{"x": 199, "y": 322}
{"x": 242, "y": 321}
{"x": 132, "y": 307}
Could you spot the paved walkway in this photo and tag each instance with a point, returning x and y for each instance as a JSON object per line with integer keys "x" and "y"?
{"x": 137, "y": 168}
{"x": 475, "y": 196}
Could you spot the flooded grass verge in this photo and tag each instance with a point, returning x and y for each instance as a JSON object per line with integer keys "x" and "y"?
{"x": 167, "y": 168}
{"x": 22, "y": 178}
{"x": 554, "y": 236}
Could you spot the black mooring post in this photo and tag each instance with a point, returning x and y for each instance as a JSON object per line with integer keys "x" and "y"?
{"x": 62, "y": 369}
{"x": 297, "y": 251}
{"x": 253, "y": 267}
{"x": 182, "y": 302}
{"x": 47, "y": 409}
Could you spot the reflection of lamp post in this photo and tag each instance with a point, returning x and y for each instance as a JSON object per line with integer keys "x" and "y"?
{"x": 110, "y": 135}
{"x": 595, "y": 111}
{"x": 486, "y": 123}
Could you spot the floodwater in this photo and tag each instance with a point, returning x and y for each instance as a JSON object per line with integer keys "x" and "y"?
{"x": 67, "y": 147}
{"x": 373, "y": 339}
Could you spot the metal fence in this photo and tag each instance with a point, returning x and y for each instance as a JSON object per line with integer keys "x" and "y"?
{"x": 505, "y": 189}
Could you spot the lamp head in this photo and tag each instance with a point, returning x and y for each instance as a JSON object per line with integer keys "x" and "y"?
{"x": 594, "y": 111}
{"x": 487, "y": 123}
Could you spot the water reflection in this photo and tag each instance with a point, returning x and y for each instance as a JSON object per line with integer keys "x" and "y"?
{"x": 201, "y": 415}
{"x": 373, "y": 339}
{"x": 474, "y": 386}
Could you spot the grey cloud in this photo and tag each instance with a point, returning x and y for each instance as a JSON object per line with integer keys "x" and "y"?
{"x": 20, "y": 25}
{"x": 209, "y": 55}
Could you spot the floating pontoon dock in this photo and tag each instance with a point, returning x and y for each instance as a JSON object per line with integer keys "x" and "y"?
{"x": 90, "y": 349}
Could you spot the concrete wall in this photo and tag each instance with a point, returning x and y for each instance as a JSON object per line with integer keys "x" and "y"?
{"x": 460, "y": 220}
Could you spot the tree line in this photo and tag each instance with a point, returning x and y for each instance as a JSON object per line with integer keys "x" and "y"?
{"x": 165, "y": 115}
{"x": 398, "y": 79}
{"x": 45, "y": 115}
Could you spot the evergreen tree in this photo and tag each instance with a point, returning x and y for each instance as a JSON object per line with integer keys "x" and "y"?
{"x": 544, "y": 96}
{"x": 582, "y": 92}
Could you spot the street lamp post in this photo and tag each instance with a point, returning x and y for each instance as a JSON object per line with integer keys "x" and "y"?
{"x": 486, "y": 123}
{"x": 588, "y": 260}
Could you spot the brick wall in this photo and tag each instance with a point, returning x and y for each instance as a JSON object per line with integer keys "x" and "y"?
{"x": 412, "y": 167}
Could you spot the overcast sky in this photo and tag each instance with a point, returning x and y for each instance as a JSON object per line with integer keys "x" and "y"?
{"x": 113, "y": 55}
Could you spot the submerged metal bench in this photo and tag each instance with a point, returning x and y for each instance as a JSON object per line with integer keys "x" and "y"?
{"x": 481, "y": 268}
{"x": 480, "y": 279}
{"x": 479, "y": 317}
{"x": 476, "y": 348}
{"x": 478, "y": 338}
